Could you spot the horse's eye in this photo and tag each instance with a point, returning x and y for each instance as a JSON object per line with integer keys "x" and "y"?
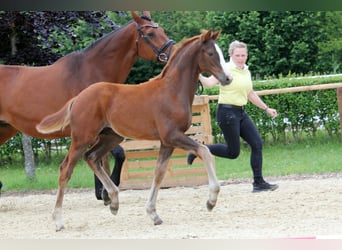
{"x": 210, "y": 53}
{"x": 151, "y": 34}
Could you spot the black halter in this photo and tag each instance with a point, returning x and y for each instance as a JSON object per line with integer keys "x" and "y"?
{"x": 161, "y": 55}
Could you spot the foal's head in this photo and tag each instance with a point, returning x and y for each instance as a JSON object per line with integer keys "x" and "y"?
{"x": 210, "y": 55}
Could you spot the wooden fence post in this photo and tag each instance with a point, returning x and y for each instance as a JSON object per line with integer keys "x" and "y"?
{"x": 339, "y": 102}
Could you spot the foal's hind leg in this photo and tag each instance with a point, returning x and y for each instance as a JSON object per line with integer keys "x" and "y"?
{"x": 100, "y": 192}
{"x": 65, "y": 173}
{"x": 104, "y": 194}
{"x": 118, "y": 154}
{"x": 159, "y": 173}
{"x": 94, "y": 158}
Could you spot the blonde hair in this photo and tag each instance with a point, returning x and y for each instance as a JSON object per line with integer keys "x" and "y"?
{"x": 236, "y": 44}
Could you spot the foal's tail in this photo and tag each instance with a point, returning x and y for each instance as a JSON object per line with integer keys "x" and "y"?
{"x": 56, "y": 121}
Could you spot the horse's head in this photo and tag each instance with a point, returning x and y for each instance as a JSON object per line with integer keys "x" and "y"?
{"x": 156, "y": 45}
{"x": 211, "y": 59}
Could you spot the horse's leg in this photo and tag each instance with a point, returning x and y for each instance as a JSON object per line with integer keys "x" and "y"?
{"x": 65, "y": 173}
{"x": 159, "y": 173}
{"x": 94, "y": 157}
{"x": 119, "y": 157}
{"x": 6, "y": 132}
{"x": 182, "y": 141}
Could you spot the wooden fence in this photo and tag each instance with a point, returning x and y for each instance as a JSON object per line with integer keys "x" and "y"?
{"x": 141, "y": 156}
{"x": 337, "y": 86}
{"x": 138, "y": 169}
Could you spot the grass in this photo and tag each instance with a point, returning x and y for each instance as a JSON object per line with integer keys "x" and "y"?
{"x": 308, "y": 157}
{"x": 14, "y": 178}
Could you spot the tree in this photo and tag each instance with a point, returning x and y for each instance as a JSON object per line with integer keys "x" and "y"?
{"x": 279, "y": 42}
{"x": 25, "y": 39}
{"x": 29, "y": 157}
{"x": 330, "y": 50}
{"x": 31, "y": 31}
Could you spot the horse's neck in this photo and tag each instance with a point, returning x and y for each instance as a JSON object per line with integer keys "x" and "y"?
{"x": 113, "y": 55}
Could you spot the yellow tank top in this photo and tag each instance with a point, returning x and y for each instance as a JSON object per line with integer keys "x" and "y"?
{"x": 236, "y": 93}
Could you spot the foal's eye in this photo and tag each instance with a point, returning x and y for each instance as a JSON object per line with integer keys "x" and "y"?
{"x": 210, "y": 53}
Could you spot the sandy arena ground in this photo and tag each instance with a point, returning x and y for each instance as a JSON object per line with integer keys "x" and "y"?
{"x": 302, "y": 207}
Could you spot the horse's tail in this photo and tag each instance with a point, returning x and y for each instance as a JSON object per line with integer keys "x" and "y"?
{"x": 56, "y": 121}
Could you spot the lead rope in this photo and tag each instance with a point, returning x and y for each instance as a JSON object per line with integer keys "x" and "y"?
{"x": 200, "y": 88}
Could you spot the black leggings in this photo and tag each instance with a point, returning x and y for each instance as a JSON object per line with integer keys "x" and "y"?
{"x": 235, "y": 123}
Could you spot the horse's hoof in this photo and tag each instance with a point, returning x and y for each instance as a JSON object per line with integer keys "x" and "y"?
{"x": 210, "y": 206}
{"x": 158, "y": 221}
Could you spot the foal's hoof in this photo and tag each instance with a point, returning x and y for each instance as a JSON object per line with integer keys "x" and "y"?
{"x": 210, "y": 206}
{"x": 158, "y": 221}
{"x": 114, "y": 210}
{"x": 106, "y": 202}
{"x": 59, "y": 228}
{"x": 105, "y": 197}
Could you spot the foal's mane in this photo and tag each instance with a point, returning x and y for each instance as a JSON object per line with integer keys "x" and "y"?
{"x": 178, "y": 48}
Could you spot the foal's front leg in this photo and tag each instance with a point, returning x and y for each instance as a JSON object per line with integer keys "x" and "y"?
{"x": 214, "y": 187}
{"x": 159, "y": 173}
{"x": 188, "y": 144}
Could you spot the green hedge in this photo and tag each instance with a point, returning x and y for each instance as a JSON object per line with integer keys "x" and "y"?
{"x": 301, "y": 114}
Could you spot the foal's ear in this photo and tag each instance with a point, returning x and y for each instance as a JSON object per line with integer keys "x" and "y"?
{"x": 216, "y": 35}
{"x": 206, "y": 35}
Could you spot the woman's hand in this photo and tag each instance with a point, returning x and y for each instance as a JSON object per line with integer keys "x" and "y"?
{"x": 272, "y": 112}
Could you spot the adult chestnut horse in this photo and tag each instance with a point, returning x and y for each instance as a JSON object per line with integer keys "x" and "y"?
{"x": 27, "y": 94}
{"x": 159, "y": 109}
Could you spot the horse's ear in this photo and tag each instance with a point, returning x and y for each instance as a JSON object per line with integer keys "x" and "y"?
{"x": 216, "y": 34}
{"x": 135, "y": 16}
{"x": 146, "y": 13}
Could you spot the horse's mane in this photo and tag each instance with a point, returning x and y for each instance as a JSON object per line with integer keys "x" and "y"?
{"x": 92, "y": 45}
{"x": 114, "y": 31}
{"x": 177, "y": 48}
